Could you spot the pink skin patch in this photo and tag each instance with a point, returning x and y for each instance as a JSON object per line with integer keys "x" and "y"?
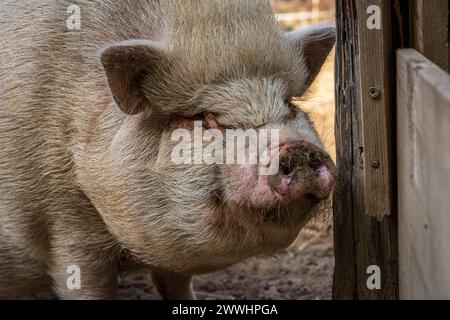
{"x": 325, "y": 181}
{"x": 286, "y": 191}
{"x": 211, "y": 121}
{"x": 260, "y": 191}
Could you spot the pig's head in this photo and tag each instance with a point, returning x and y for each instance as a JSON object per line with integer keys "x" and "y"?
{"x": 196, "y": 205}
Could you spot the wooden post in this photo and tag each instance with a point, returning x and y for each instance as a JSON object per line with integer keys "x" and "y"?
{"x": 430, "y": 30}
{"x": 361, "y": 240}
{"x": 375, "y": 58}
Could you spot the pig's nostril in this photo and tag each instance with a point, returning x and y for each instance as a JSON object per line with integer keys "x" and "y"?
{"x": 312, "y": 157}
{"x": 286, "y": 170}
{"x": 314, "y": 160}
{"x": 285, "y": 166}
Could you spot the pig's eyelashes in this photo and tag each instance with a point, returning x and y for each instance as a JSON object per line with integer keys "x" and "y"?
{"x": 260, "y": 126}
{"x": 195, "y": 117}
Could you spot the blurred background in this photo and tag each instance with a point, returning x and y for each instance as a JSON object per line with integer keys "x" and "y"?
{"x": 294, "y": 14}
{"x": 304, "y": 271}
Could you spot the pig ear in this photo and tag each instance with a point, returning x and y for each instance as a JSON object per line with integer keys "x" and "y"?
{"x": 127, "y": 64}
{"x": 315, "y": 44}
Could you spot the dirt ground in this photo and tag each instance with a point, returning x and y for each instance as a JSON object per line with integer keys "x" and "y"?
{"x": 297, "y": 273}
{"x": 303, "y": 271}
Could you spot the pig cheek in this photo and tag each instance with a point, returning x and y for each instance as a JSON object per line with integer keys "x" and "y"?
{"x": 248, "y": 186}
{"x": 261, "y": 194}
{"x": 246, "y": 177}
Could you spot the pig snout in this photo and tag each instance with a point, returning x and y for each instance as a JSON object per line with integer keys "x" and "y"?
{"x": 304, "y": 171}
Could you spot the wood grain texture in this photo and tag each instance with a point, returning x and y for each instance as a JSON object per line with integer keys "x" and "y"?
{"x": 375, "y": 56}
{"x": 424, "y": 177}
{"x": 430, "y": 30}
{"x": 349, "y": 183}
{"x": 360, "y": 240}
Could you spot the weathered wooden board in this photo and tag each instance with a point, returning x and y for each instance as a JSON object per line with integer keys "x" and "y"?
{"x": 430, "y": 33}
{"x": 423, "y": 116}
{"x": 375, "y": 57}
{"x": 359, "y": 240}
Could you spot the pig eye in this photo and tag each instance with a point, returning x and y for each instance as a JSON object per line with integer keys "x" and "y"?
{"x": 187, "y": 118}
{"x": 199, "y": 116}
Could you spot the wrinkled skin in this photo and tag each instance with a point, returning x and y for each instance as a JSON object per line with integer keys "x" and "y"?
{"x": 86, "y": 123}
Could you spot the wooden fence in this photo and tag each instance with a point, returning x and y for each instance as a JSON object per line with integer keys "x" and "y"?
{"x": 392, "y": 202}
{"x": 423, "y": 139}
